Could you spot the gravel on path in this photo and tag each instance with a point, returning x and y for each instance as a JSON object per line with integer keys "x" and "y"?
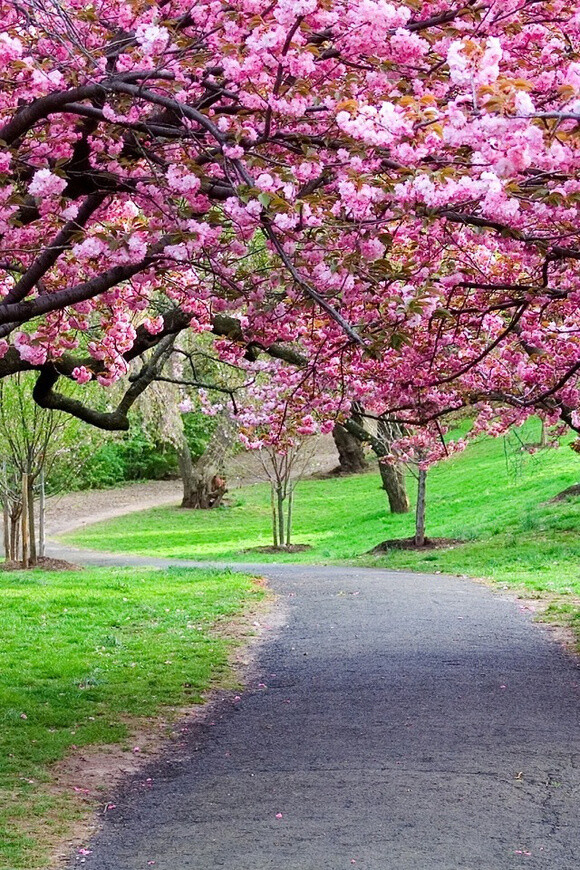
{"x": 397, "y": 722}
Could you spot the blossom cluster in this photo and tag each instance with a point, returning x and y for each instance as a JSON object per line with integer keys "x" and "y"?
{"x": 390, "y": 187}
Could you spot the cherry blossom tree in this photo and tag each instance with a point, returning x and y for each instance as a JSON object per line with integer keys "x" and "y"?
{"x": 381, "y": 195}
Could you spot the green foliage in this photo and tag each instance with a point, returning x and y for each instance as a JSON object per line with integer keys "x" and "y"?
{"x": 198, "y": 428}
{"x": 144, "y": 458}
{"x": 84, "y": 655}
{"x": 95, "y": 469}
{"x": 136, "y": 455}
{"x": 116, "y": 461}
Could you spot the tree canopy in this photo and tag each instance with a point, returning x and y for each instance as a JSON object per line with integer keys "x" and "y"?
{"x": 383, "y": 194}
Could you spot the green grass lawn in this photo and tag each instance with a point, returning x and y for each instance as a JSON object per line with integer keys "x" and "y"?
{"x": 492, "y": 496}
{"x": 85, "y": 655}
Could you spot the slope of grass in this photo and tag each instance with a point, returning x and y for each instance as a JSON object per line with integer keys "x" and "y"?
{"x": 492, "y": 496}
{"x": 86, "y": 654}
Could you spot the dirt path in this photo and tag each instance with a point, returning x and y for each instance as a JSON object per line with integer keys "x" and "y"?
{"x": 73, "y": 510}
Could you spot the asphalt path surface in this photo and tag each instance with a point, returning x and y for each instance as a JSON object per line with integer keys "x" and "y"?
{"x": 396, "y": 722}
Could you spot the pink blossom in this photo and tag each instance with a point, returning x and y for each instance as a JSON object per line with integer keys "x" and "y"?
{"x": 45, "y": 184}
{"x": 185, "y": 406}
{"x": 154, "y": 324}
{"x": 81, "y": 375}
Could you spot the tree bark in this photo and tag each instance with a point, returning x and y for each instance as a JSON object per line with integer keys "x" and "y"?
{"x": 24, "y": 522}
{"x": 280, "y": 499}
{"x": 351, "y": 457}
{"x": 289, "y": 515}
{"x": 274, "y": 516}
{"x": 6, "y": 516}
{"x": 31, "y": 522}
{"x": 393, "y": 478}
{"x": 204, "y": 484}
{"x": 420, "y": 512}
{"x": 15, "y": 531}
{"x": 393, "y": 473}
{"x": 41, "y": 516}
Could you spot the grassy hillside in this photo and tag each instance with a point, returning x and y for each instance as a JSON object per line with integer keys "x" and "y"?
{"x": 493, "y": 497}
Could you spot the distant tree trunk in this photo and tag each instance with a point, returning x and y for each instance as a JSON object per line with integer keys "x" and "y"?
{"x": 6, "y": 523}
{"x": 15, "y": 512}
{"x": 204, "y": 484}
{"x": 393, "y": 473}
{"x": 289, "y": 516}
{"x": 31, "y": 521}
{"x": 420, "y": 512}
{"x": 393, "y": 478}
{"x": 280, "y": 499}
{"x": 24, "y": 522}
{"x": 41, "y": 516}
{"x": 351, "y": 457}
{"x": 274, "y": 516}
{"x": 282, "y": 495}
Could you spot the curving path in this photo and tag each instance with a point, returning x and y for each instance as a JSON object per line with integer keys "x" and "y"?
{"x": 398, "y": 722}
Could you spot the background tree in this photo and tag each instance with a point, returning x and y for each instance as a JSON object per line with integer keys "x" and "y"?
{"x": 32, "y": 442}
{"x": 284, "y": 468}
{"x": 172, "y": 410}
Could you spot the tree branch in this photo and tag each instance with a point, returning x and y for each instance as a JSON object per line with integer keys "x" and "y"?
{"x": 54, "y": 249}
{"x": 117, "y": 420}
{"x": 21, "y": 312}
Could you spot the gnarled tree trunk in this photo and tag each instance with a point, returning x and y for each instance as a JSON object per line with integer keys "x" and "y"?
{"x": 204, "y": 483}
{"x": 351, "y": 457}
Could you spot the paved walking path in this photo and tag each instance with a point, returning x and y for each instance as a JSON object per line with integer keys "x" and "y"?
{"x": 398, "y": 722}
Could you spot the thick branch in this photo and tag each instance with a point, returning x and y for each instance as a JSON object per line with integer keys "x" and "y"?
{"x": 361, "y": 434}
{"x": 54, "y": 249}
{"x": 117, "y": 420}
{"x": 21, "y": 312}
{"x": 27, "y": 117}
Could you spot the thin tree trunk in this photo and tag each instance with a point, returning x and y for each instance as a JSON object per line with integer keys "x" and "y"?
{"x": 24, "y": 521}
{"x": 280, "y": 496}
{"x": 41, "y": 517}
{"x": 31, "y": 522}
{"x": 274, "y": 517}
{"x": 6, "y": 520}
{"x": 420, "y": 512}
{"x": 289, "y": 516}
{"x": 14, "y": 534}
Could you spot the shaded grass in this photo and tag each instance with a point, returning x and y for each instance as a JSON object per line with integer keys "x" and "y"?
{"x": 84, "y": 654}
